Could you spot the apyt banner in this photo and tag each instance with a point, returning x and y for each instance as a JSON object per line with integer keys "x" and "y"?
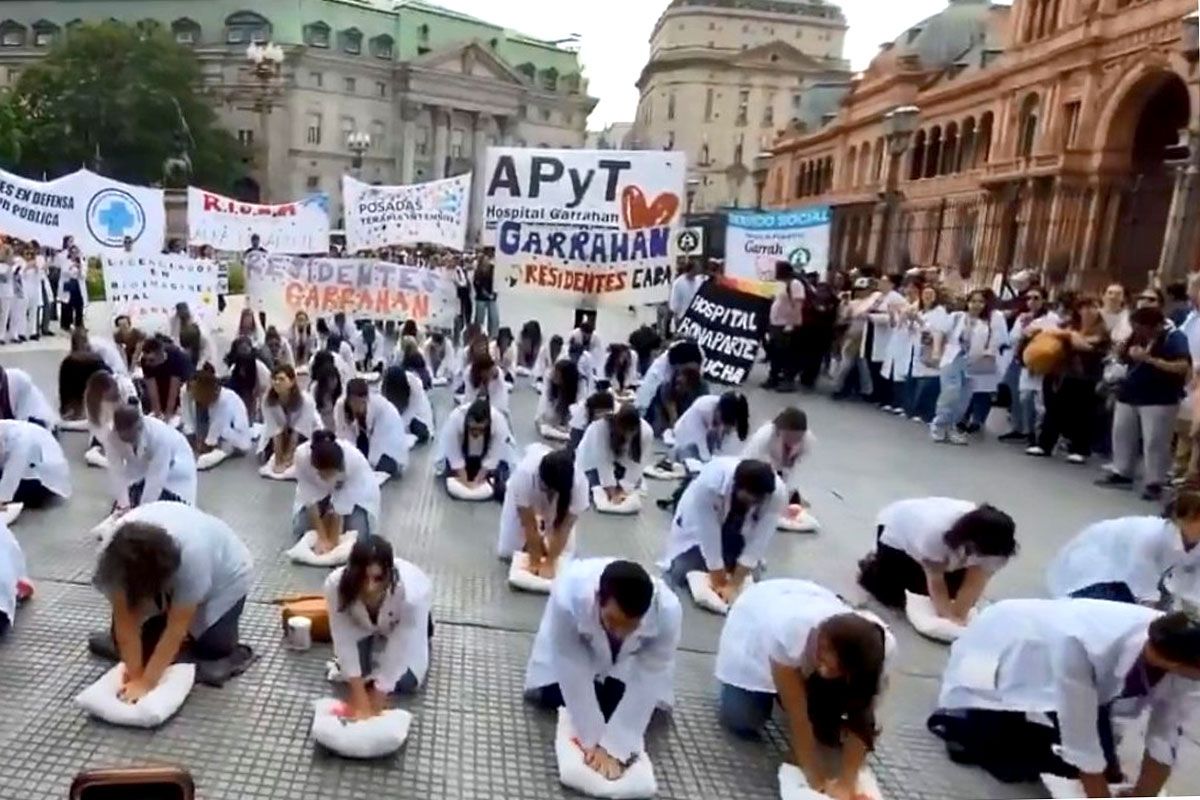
{"x": 424, "y": 213}
{"x": 100, "y": 213}
{"x": 585, "y": 228}
{"x": 729, "y": 325}
{"x": 147, "y": 288}
{"x": 297, "y": 228}
{"x": 362, "y": 288}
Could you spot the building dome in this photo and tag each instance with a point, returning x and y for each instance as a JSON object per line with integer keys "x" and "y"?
{"x": 941, "y": 39}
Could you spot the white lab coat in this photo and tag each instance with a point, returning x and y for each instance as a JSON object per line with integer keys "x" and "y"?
{"x": 658, "y": 373}
{"x": 970, "y": 335}
{"x": 354, "y": 487}
{"x": 875, "y": 309}
{"x": 12, "y": 569}
{"x": 110, "y": 353}
{"x": 497, "y": 392}
{"x": 702, "y": 511}
{"x": 28, "y": 402}
{"x": 772, "y": 621}
{"x": 683, "y": 291}
{"x": 446, "y": 368}
{"x": 545, "y": 362}
{"x": 595, "y": 452}
{"x": 764, "y": 445}
{"x": 385, "y": 430}
{"x": 918, "y": 526}
{"x": 500, "y": 447}
{"x": 228, "y": 422}
{"x": 163, "y": 459}
{"x": 402, "y": 621}
{"x": 1135, "y": 551}
{"x": 572, "y": 651}
{"x": 693, "y": 426}
{"x": 547, "y": 409}
{"x": 506, "y": 361}
{"x": 999, "y": 339}
{"x": 419, "y": 407}
{"x": 897, "y": 362}
{"x": 525, "y": 490}
{"x": 303, "y": 421}
{"x": 29, "y": 451}
{"x": 1069, "y": 657}
{"x": 594, "y": 350}
{"x": 936, "y": 323}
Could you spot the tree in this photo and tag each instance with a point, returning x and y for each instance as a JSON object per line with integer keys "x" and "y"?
{"x": 120, "y": 100}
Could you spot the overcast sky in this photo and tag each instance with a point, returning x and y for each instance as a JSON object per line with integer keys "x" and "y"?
{"x": 615, "y": 36}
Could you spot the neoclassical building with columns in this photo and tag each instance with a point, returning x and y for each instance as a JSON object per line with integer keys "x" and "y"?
{"x": 1055, "y": 135}
{"x": 430, "y": 87}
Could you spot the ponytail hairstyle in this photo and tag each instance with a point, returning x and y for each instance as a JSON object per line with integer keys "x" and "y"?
{"x": 368, "y": 551}
{"x": 556, "y": 347}
{"x": 625, "y": 433}
{"x": 564, "y": 387}
{"x": 861, "y": 650}
{"x": 326, "y": 379}
{"x": 733, "y": 411}
{"x": 326, "y": 452}
{"x": 101, "y": 388}
{"x": 480, "y": 413}
{"x": 618, "y": 364}
{"x": 557, "y": 474}
{"x": 599, "y": 404}
{"x": 356, "y": 388}
{"x": 481, "y": 371}
{"x": 395, "y": 387}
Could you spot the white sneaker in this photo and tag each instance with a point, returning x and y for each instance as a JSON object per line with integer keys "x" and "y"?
{"x": 957, "y": 437}
{"x": 886, "y": 409}
{"x": 915, "y": 419}
{"x": 941, "y": 437}
{"x": 1075, "y": 458}
{"x": 899, "y": 412}
{"x": 1034, "y": 451}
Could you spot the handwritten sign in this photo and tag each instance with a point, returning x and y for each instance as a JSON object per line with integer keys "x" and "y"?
{"x": 425, "y": 213}
{"x": 301, "y": 227}
{"x": 147, "y": 288}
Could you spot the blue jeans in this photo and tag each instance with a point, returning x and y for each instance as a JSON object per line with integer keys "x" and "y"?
{"x": 356, "y": 520}
{"x": 1114, "y": 590}
{"x": 922, "y": 397}
{"x": 979, "y": 407}
{"x": 955, "y": 395}
{"x": 408, "y": 682}
{"x": 489, "y": 308}
{"x": 744, "y": 712}
{"x": 1027, "y": 411}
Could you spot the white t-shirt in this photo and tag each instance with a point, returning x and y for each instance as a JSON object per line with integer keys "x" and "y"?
{"x": 918, "y": 526}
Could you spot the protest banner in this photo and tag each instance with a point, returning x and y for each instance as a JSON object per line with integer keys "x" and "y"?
{"x": 362, "y": 288}
{"x": 756, "y": 240}
{"x": 147, "y": 288}
{"x": 97, "y": 211}
{"x": 431, "y": 213}
{"x": 586, "y": 228}
{"x": 300, "y": 227}
{"x": 729, "y": 325}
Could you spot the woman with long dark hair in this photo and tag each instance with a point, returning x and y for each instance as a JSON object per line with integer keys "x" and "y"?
{"x": 484, "y": 379}
{"x": 407, "y": 393}
{"x": 373, "y": 424}
{"x": 559, "y": 393}
{"x": 796, "y": 644}
{"x": 214, "y": 419}
{"x": 439, "y": 359}
{"x": 529, "y": 346}
{"x": 325, "y": 382}
{"x": 597, "y": 405}
{"x": 703, "y": 431}
{"x": 289, "y": 420}
{"x": 613, "y": 450}
{"x": 302, "y": 340}
{"x": 782, "y": 442}
{"x": 548, "y": 356}
{"x": 276, "y": 349}
{"x": 476, "y": 446}
{"x": 248, "y": 376}
{"x": 80, "y": 363}
{"x": 544, "y": 497}
{"x": 336, "y": 491}
{"x": 1070, "y": 390}
{"x": 504, "y": 352}
{"x": 970, "y": 349}
{"x": 380, "y": 622}
{"x": 619, "y": 369}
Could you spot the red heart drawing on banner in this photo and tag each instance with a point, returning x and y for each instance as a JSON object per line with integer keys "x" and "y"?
{"x": 638, "y": 214}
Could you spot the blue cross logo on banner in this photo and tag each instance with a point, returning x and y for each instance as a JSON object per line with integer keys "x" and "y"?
{"x": 114, "y": 214}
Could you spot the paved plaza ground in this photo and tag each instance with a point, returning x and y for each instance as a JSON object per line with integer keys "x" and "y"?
{"x": 473, "y": 737}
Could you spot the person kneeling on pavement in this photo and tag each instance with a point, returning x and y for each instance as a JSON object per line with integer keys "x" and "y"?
{"x": 177, "y": 580}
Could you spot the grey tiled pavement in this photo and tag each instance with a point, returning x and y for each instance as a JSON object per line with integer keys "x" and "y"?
{"x": 473, "y": 737}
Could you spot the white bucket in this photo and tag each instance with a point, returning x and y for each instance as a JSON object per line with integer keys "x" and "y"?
{"x": 299, "y": 633}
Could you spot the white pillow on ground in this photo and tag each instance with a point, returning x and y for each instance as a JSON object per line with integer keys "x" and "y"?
{"x": 94, "y": 456}
{"x": 381, "y": 477}
{"x": 369, "y": 377}
{"x": 256, "y": 431}
{"x": 519, "y": 576}
{"x": 105, "y": 529}
{"x": 921, "y": 614}
{"x": 378, "y": 736}
{"x": 638, "y": 780}
{"x": 439, "y": 382}
{"x": 73, "y": 425}
{"x": 460, "y": 491}
{"x": 302, "y": 551}
{"x": 302, "y": 370}
{"x": 159, "y": 705}
{"x": 552, "y": 433}
{"x": 797, "y": 519}
{"x": 11, "y": 512}
{"x": 794, "y": 786}
{"x": 267, "y": 470}
{"x": 523, "y": 372}
{"x": 632, "y": 503}
{"x": 668, "y": 437}
{"x": 210, "y": 459}
{"x": 411, "y": 438}
{"x": 693, "y": 465}
{"x": 704, "y": 595}
{"x": 677, "y": 472}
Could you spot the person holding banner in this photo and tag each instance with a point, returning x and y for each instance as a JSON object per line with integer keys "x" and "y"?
{"x": 406, "y": 392}
{"x": 148, "y": 460}
{"x": 374, "y": 425}
{"x": 214, "y": 419}
{"x": 336, "y": 491}
{"x": 703, "y": 430}
{"x": 483, "y": 283}
{"x": 289, "y": 417}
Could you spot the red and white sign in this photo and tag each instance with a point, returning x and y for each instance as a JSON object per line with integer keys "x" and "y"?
{"x": 299, "y": 228}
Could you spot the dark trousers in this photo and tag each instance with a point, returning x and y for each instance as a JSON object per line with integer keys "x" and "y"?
{"x": 408, "y": 682}
{"x": 420, "y": 430}
{"x": 733, "y": 544}
{"x": 135, "y": 495}
{"x": 499, "y": 479}
{"x": 1011, "y": 747}
{"x": 888, "y": 573}
{"x": 609, "y": 693}
{"x": 783, "y": 355}
{"x": 1115, "y": 591}
{"x": 5, "y": 623}
{"x": 813, "y": 342}
{"x": 219, "y": 641}
{"x": 31, "y": 493}
{"x": 1072, "y": 410}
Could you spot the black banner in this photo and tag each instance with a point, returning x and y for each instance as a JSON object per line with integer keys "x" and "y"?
{"x": 729, "y": 325}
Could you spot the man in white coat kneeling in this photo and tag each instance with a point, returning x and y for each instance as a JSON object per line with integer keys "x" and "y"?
{"x": 1032, "y": 687}
{"x": 605, "y": 649}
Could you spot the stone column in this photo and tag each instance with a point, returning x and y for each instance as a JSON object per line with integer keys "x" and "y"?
{"x": 440, "y": 119}
{"x": 1183, "y": 216}
{"x": 1091, "y": 230}
{"x": 408, "y": 140}
{"x": 481, "y": 123}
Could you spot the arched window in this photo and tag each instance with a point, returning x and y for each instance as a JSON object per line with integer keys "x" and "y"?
{"x": 529, "y": 71}
{"x": 45, "y": 33}
{"x": 244, "y": 27}
{"x": 1027, "y": 125}
{"x": 864, "y": 163}
{"x": 966, "y": 149}
{"x": 383, "y": 47}
{"x": 933, "y": 152}
{"x": 877, "y": 160}
{"x": 850, "y": 180}
{"x": 949, "y": 150}
{"x": 983, "y": 146}
{"x": 916, "y": 168}
{"x": 316, "y": 34}
{"x": 550, "y": 80}
{"x": 12, "y": 34}
{"x": 186, "y": 31}
{"x": 351, "y": 41}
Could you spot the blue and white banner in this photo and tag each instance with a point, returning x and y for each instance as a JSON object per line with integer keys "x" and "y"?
{"x": 99, "y": 212}
{"x": 756, "y": 240}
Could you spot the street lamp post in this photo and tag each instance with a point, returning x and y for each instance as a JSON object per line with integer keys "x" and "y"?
{"x": 898, "y": 127}
{"x": 762, "y": 165}
{"x": 266, "y": 67}
{"x": 358, "y": 143}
